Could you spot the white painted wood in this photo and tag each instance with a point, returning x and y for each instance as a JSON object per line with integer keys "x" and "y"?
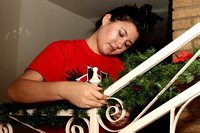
{"x": 6, "y": 128}
{"x": 154, "y": 60}
{"x": 94, "y": 125}
{"x": 172, "y": 116}
{"x": 173, "y": 129}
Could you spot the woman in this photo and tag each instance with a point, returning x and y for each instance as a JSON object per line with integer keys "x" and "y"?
{"x": 53, "y": 75}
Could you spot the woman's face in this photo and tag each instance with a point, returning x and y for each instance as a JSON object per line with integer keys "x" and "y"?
{"x": 115, "y": 37}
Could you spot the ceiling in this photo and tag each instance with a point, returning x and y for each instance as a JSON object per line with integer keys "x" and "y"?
{"x": 92, "y": 9}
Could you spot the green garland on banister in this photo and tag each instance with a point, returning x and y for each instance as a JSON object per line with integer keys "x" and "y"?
{"x": 135, "y": 96}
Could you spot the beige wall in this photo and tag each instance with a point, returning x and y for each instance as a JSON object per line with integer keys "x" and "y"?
{"x": 27, "y": 27}
{"x": 9, "y": 22}
{"x": 186, "y": 13}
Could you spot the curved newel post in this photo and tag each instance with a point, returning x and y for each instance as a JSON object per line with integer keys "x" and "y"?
{"x": 95, "y": 119}
{"x": 94, "y": 125}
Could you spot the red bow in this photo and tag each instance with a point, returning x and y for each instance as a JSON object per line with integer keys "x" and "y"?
{"x": 184, "y": 56}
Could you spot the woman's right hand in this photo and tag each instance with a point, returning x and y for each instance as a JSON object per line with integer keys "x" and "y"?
{"x": 84, "y": 95}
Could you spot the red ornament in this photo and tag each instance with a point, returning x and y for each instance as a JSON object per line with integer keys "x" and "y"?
{"x": 184, "y": 56}
{"x": 137, "y": 88}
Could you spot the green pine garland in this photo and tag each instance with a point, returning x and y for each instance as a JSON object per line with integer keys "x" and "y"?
{"x": 134, "y": 96}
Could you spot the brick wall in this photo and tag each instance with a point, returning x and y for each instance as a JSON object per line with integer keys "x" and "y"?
{"x": 185, "y": 14}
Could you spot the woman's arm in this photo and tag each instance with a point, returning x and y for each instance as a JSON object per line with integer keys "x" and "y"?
{"x": 31, "y": 88}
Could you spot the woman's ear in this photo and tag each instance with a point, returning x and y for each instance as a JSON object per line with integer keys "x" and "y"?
{"x": 106, "y": 19}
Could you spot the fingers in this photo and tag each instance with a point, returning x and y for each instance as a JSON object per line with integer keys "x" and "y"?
{"x": 94, "y": 104}
{"x": 117, "y": 116}
{"x": 93, "y": 98}
{"x": 99, "y": 102}
{"x": 96, "y": 92}
{"x": 121, "y": 123}
{"x": 95, "y": 87}
{"x": 88, "y": 96}
{"x": 97, "y": 96}
{"x": 91, "y": 102}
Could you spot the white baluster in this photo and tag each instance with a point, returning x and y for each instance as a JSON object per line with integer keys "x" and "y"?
{"x": 7, "y": 128}
{"x": 94, "y": 125}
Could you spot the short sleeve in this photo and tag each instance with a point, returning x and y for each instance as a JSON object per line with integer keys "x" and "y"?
{"x": 50, "y": 62}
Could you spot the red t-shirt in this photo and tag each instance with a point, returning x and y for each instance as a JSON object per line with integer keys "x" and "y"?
{"x": 73, "y": 60}
{"x": 67, "y": 60}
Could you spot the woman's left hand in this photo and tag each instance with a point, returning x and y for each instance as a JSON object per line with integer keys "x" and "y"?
{"x": 120, "y": 124}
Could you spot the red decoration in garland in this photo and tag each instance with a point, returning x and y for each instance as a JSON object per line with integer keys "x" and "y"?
{"x": 137, "y": 88}
{"x": 184, "y": 56}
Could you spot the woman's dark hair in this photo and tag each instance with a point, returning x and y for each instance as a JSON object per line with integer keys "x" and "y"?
{"x": 141, "y": 17}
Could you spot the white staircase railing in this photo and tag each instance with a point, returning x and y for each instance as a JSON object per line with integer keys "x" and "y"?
{"x": 139, "y": 123}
